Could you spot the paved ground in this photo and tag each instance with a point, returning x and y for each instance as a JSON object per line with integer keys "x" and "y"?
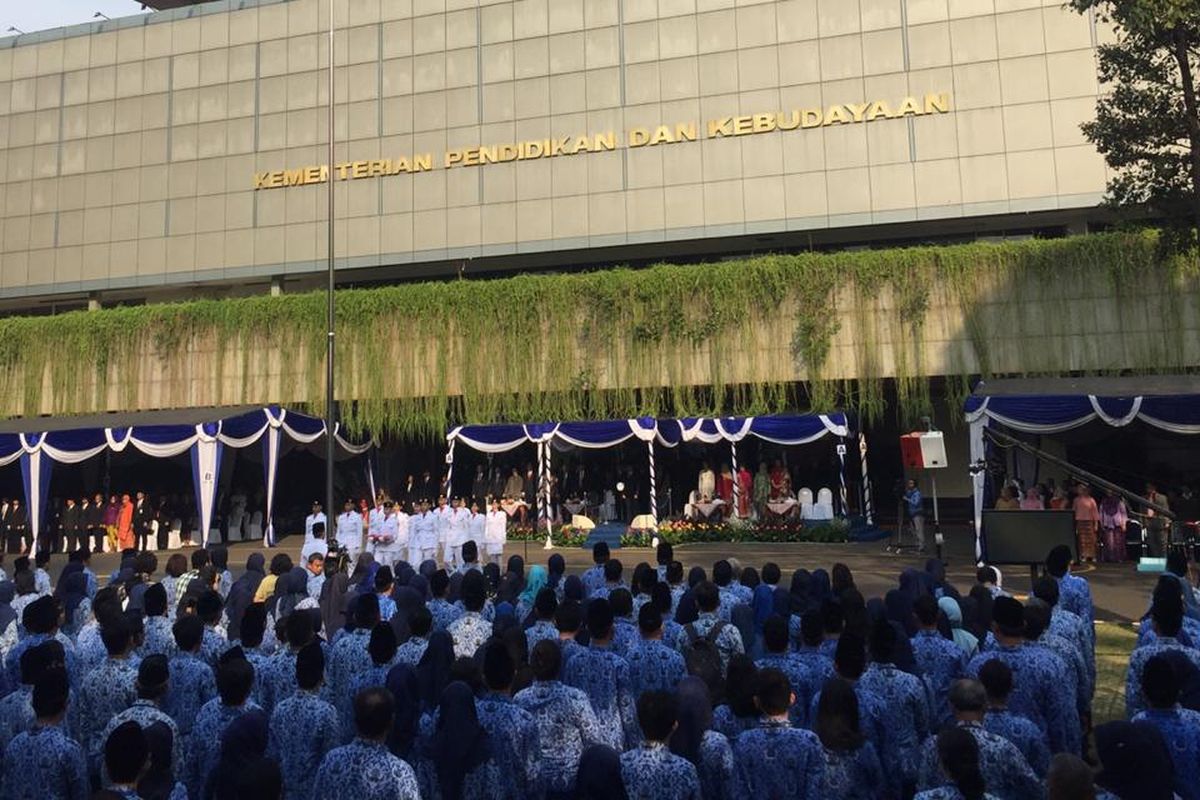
{"x": 1120, "y": 592}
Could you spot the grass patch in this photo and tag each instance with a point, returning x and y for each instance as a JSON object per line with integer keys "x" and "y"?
{"x": 1114, "y": 643}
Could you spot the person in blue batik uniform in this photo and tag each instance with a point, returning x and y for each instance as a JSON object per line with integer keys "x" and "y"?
{"x": 303, "y": 726}
{"x": 192, "y": 682}
{"x": 1167, "y": 618}
{"x": 850, "y": 664}
{"x": 16, "y": 710}
{"x": 564, "y": 717}
{"x": 109, "y": 689}
{"x": 208, "y": 608}
{"x": 569, "y": 621}
{"x": 350, "y": 656}
{"x": 235, "y": 679}
{"x": 1074, "y": 669}
{"x": 471, "y": 630}
{"x": 511, "y": 729}
{"x": 804, "y": 685}
{"x": 157, "y": 636}
{"x": 153, "y": 678}
{"x": 652, "y": 771}
{"x": 40, "y": 619}
{"x": 1074, "y": 594}
{"x": 626, "y": 635}
{"x": 852, "y": 768}
{"x": 364, "y": 769}
{"x": 612, "y": 580}
{"x": 1038, "y": 691}
{"x": 1005, "y": 771}
{"x": 958, "y": 760}
{"x": 544, "y": 606}
{"x": 593, "y": 577}
{"x": 811, "y": 634}
{"x": 904, "y": 706}
{"x": 382, "y": 649}
{"x": 1180, "y": 727}
{"x": 653, "y": 665}
{"x": 996, "y": 678}
{"x": 44, "y": 763}
{"x": 775, "y": 759}
{"x": 724, "y": 636}
{"x": 695, "y": 740}
{"x": 278, "y": 678}
{"x": 940, "y": 661}
{"x": 603, "y": 676}
{"x": 1067, "y": 624}
{"x": 443, "y": 611}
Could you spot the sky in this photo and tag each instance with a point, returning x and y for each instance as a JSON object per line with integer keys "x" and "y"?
{"x": 36, "y": 16}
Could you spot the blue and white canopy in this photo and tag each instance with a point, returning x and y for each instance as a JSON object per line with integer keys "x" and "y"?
{"x": 164, "y": 435}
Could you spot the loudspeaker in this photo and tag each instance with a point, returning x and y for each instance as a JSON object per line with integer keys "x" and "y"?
{"x": 923, "y": 450}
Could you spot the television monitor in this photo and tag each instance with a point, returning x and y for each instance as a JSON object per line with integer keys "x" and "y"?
{"x": 1025, "y": 537}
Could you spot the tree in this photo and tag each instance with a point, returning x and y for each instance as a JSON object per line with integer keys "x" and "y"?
{"x": 1147, "y": 122}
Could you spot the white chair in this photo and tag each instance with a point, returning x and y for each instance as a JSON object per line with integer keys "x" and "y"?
{"x": 689, "y": 510}
{"x": 174, "y": 541}
{"x": 806, "y": 503}
{"x": 823, "y": 510}
{"x": 254, "y": 528}
{"x": 237, "y": 517}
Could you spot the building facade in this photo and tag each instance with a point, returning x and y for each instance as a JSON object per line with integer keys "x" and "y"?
{"x": 158, "y": 156}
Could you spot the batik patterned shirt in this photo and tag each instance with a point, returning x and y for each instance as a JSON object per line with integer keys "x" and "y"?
{"x": 1075, "y": 595}
{"x": 1024, "y": 735}
{"x": 652, "y": 772}
{"x": 951, "y": 793}
{"x": 1180, "y": 729}
{"x": 777, "y": 760}
{"x": 905, "y": 716}
{"x": 1135, "y": 701}
{"x": 204, "y": 746}
{"x": 303, "y": 729}
{"x": 1070, "y": 626}
{"x": 412, "y": 651}
{"x": 349, "y": 658}
{"x": 1038, "y": 692}
{"x": 192, "y": 685}
{"x": 853, "y": 774}
{"x": 44, "y": 763}
{"x": 654, "y": 667}
{"x": 542, "y": 630}
{"x": 626, "y": 636}
{"x": 16, "y": 714}
{"x": 716, "y": 767}
{"x": 592, "y": 579}
{"x": 212, "y": 646}
{"x": 819, "y": 664}
{"x": 1005, "y": 772}
{"x": 469, "y": 632}
{"x": 365, "y": 770}
{"x": 75, "y": 668}
{"x": 277, "y": 678}
{"x": 443, "y": 613}
{"x": 603, "y": 676}
{"x": 941, "y": 663}
{"x": 145, "y": 713}
{"x": 108, "y": 690}
{"x": 513, "y": 734}
{"x": 729, "y": 640}
{"x": 566, "y": 725}
{"x": 1075, "y": 668}
{"x": 159, "y": 638}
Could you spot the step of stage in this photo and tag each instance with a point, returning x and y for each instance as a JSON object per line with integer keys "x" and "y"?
{"x": 610, "y": 533}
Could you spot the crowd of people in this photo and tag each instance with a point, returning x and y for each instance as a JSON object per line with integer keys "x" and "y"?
{"x": 348, "y": 678}
{"x": 123, "y": 521}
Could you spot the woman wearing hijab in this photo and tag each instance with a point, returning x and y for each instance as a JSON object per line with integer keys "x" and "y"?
{"x": 981, "y": 625}
{"x": 763, "y": 604}
{"x": 958, "y": 757}
{"x": 599, "y": 776}
{"x": 556, "y": 567}
{"x": 966, "y": 641}
{"x": 241, "y": 593}
{"x": 491, "y": 578}
{"x": 158, "y": 781}
{"x": 573, "y": 588}
{"x": 695, "y": 740}
{"x": 742, "y": 618}
{"x": 334, "y": 594}
{"x": 1134, "y": 762}
{"x": 538, "y": 576}
{"x": 403, "y": 684}
{"x": 852, "y": 767}
{"x": 819, "y": 588}
{"x": 459, "y": 748}
{"x": 362, "y": 579}
{"x": 695, "y": 576}
{"x": 72, "y": 597}
{"x": 433, "y": 670}
{"x": 245, "y": 740}
{"x": 843, "y": 578}
{"x": 739, "y": 712}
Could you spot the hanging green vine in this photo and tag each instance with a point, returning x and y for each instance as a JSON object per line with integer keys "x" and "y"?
{"x": 749, "y": 336}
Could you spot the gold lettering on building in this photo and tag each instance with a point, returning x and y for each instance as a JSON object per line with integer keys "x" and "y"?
{"x": 642, "y": 136}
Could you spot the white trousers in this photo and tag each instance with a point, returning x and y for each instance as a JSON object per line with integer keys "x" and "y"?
{"x": 452, "y": 555}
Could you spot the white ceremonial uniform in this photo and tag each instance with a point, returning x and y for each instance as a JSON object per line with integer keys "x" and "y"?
{"x": 385, "y": 542}
{"x": 374, "y": 526}
{"x": 456, "y": 537}
{"x": 399, "y": 548}
{"x": 495, "y": 534}
{"x": 313, "y": 519}
{"x": 349, "y": 533}
{"x": 477, "y": 531}
{"x": 441, "y": 525}
{"x": 423, "y": 542}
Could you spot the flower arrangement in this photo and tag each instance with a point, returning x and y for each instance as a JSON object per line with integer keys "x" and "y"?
{"x": 685, "y": 532}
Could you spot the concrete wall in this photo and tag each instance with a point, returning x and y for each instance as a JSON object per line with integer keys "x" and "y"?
{"x": 129, "y": 150}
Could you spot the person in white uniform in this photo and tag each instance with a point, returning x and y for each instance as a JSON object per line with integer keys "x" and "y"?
{"x": 374, "y": 524}
{"x": 459, "y": 532}
{"x": 441, "y": 524}
{"x": 477, "y": 527}
{"x": 398, "y": 549}
{"x": 429, "y": 534}
{"x": 349, "y": 530}
{"x": 495, "y": 532}
{"x": 316, "y": 516}
{"x": 386, "y": 538}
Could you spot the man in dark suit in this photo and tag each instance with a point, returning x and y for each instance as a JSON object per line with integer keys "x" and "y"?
{"x": 93, "y": 522}
{"x": 17, "y": 526}
{"x": 70, "y": 522}
{"x": 142, "y": 514}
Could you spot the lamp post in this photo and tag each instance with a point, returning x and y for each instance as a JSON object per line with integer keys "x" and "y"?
{"x": 330, "y": 411}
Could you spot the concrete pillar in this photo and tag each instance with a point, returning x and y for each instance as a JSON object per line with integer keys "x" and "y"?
{"x": 276, "y": 286}
{"x": 94, "y": 302}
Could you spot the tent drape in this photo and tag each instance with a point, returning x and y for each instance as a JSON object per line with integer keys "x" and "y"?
{"x": 38, "y": 452}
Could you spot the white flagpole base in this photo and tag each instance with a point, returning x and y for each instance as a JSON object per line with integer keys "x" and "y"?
{"x": 549, "y": 545}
